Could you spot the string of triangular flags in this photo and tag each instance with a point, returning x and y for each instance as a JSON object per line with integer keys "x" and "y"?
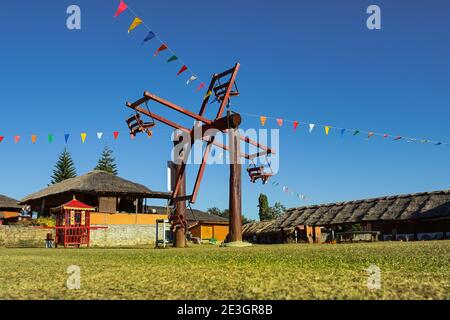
{"x": 50, "y": 138}
{"x": 289, "y": 191}
{"x": 151, "y": 35}
{"x": 327, "y": 129}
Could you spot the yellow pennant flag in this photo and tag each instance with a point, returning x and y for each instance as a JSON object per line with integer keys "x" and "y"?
{"x": 263, "y": 120}
{"x": 327, "y": 130}
{"x": 83, "y": 137}
{"x": 207, "y": 95}
{"x": 134, "y": 24}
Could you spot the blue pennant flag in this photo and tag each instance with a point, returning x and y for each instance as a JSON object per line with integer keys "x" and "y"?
{"x": 342, "y": 133}
{"x": 149, "y": 36}
{"x": 66, "y": 137}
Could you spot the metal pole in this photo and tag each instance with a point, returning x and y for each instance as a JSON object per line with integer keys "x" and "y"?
{"x": 235, "y": 204}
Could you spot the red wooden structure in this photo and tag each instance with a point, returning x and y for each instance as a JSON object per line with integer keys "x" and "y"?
{"x": 222, "y": 88}
{"x": 73, "y": 224}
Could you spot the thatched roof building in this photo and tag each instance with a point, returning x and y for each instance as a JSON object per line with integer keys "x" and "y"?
{"x": 97, "y": 188}
{"x": 412, "y": 213}
{"x": 9, "y": 204}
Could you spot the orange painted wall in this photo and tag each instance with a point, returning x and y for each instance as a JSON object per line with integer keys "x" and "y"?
{"x": 125, "y": 218}
{"x": 220, "y": 232}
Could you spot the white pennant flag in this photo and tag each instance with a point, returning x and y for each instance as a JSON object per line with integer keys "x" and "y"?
{"x": 99, "y": 135}
{"x": 192, "y": 78}
{"x": 311, "y": 127}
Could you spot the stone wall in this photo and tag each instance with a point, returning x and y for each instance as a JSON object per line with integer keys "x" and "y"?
{"x": 26, "y": 237}
{"x": 101, "y": 236}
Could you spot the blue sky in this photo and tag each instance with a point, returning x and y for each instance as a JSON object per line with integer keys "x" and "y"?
{"x": 312, "y": 61}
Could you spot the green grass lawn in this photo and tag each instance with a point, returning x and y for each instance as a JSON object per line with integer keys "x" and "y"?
{"x": 410, "y": 270}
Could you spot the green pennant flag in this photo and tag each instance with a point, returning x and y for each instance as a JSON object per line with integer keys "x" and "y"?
{"x": 172, "y": 58}
{"x": 50, "y": 138}
{"x": 356, "y": 132}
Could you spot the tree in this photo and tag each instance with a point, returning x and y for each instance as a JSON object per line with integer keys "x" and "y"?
{"x": 107, "y": 162}
{"x": 225, "y": 214}
{"x": 64, "y": 168}
{"x": 264, "y": 210}
{"x": 277, "y": 210}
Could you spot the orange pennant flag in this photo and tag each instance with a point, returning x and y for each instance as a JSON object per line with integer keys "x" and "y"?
{"x": 83, "y": 137}
{"x": 263, "y": 120}
{"x": 280, "y": 122}
{"x": 33, "y": 138}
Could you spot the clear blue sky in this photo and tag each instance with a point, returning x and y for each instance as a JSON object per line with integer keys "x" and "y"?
{"x": 314, "y": 61}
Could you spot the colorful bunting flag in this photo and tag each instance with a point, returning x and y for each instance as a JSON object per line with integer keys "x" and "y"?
{"x": 438, "y": 144}
{"x": 207, "y": 95}
{"x": 327, "y": 129}
{"x": 16, "y": 139}
{"x": 83, "y": 136}
{"x": 1, "y": 138}
{"x": 33, "y": 138}
{"x": 296, "y": 125}
{"x": 66, "y": 137}
{"x": 200, "y": 86}
{"x": 263, "y": 120}
{"x": 116, "y": 134}
{"x": 385, "y": 135}
{"x": 122, "y": 7}
{"x": 99, "y": 135}
{"x": 370, "y": 135}
{"x": 356, "y": 132}
{"x": 149, "y": 36}
{"x": 161, "y": 48}
{"x": 136, "y": 22}
{"x": 342, "y": 133}
{"x": 397, "y": 138}
{"x": 280, "y": 122}
{"x": 192, "y": 78}
{"x": 172, "y": 58}
{"x": 183, "y": 69}
{"x": 311, "y": 127}
{"x": 50, "y": 138}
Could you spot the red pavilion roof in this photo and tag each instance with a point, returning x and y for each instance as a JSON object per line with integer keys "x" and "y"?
{"x": 77, "y": 205}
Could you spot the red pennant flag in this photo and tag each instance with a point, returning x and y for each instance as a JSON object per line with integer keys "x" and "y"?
{"x": 162, "y": 48}
{"x": 183, "y": 69}
{"x": 385, "y": 135}
{"x": 16, "y": 139}
{"x": 200, "y": 86}
{"x": 280, "y": 122}
{"x": 116, "y": 134}
{"x": 122, "y": 7}
{"x": 1, "y": 138}
{"x": 295, "y": 125}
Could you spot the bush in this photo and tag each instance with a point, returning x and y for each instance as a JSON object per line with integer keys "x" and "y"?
{"x": 44, "y": 222}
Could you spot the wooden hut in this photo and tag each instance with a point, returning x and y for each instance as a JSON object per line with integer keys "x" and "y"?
{"x": 102, "y": 190}
{"x": 9, "y": 208}
{"x": 419, "y": 216}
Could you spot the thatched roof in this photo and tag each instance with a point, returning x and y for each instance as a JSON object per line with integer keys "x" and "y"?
{"x": 7, "y": 203}
{"x": 415, "y": 206}
{"x": 426, "y": 205}
{"x": 194, "y": 216}
{"x": 97, "y": 182}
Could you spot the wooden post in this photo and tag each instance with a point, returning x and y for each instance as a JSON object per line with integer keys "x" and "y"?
{"x": 235, "y": 204}
{"x": 180, "y": 205}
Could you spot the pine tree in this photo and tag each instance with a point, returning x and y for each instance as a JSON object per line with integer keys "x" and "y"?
{"x": 107, "y": 162}
{"x": 264, "y": 210}
{"x": 64, "y": 168}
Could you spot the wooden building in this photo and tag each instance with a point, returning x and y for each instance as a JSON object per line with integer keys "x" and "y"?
{"x": 9, "y": 209}
{"x": 201, "y": 224}
{"x": 419, "y": 216}
{"x": 102, "y": 190}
